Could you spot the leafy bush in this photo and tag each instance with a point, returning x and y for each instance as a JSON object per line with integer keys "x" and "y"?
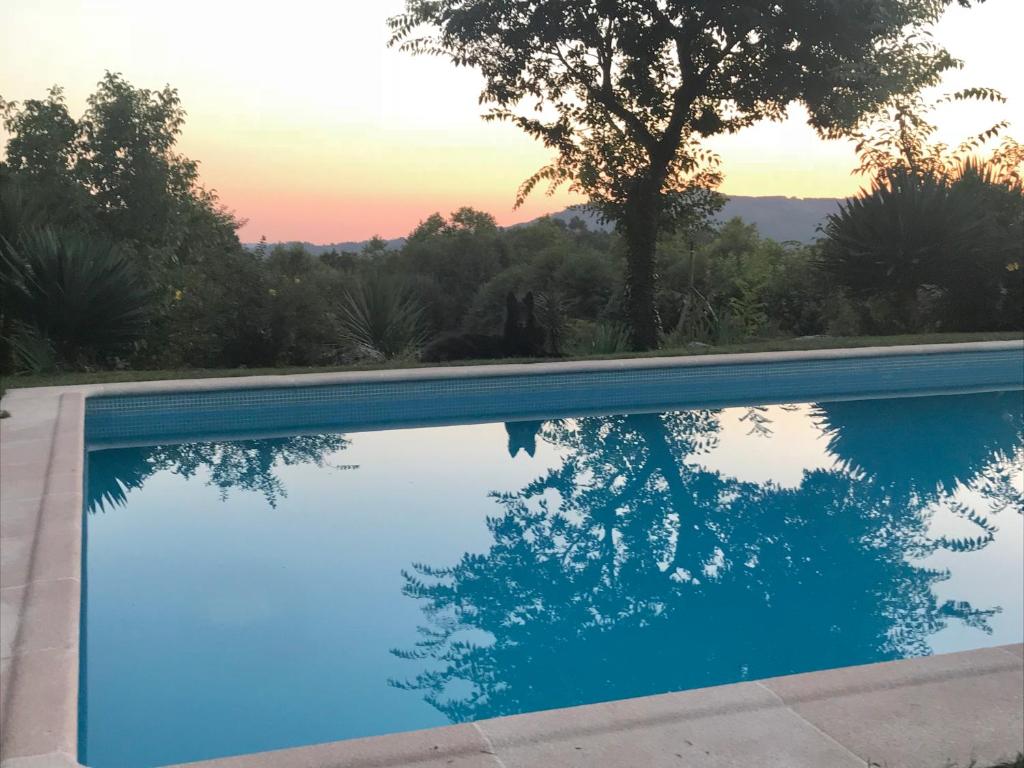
{"x": 217, "y": 315}
{"x": 923, "y": 249}
{"x": 748, "y": 309}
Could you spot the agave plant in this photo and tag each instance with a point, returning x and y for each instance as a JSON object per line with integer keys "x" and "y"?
{"x": 77, "y": 295}
{"x": 381, "y": 318}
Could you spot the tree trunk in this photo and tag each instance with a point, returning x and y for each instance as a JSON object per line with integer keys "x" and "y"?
{"x": 639, "y": 227}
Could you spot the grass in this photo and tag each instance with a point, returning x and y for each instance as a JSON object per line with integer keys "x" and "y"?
{"x": 773, "y": 345}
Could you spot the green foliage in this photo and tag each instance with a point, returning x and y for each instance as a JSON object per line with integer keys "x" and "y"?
{"x": 30, "y": 351}
{"x": 915, "y": 240}
{"x": 42, "y": 150}
{"x": 624, "y": 93}
{"x": 115, "y": 173}
{"x": 80, "y": 295}
{"x": 899, "y": 137}
{"x": 125, "y": 209}
{"x": 381, "y": 319}
{"x": 244, "y": 309}
{"x": 459, "y": 254}
{"x": 747, "y": 309}
{"x": 936, "y": 240}
{"x": 604, "y": 338}
{"x": 733, "y": 285}
{"x": 217, "y": 314}
{"x": 111, "y": 182}
{"x": 552, "y": 316}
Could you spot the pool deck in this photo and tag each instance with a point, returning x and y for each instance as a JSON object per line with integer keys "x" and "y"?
{"x": 957, "y": 709}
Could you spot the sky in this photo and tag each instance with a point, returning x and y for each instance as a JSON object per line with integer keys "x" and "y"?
{"x": 310, "y": 128}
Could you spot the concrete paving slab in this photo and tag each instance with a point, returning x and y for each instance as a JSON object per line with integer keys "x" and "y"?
{"x": 53, "y": 760}
{"x": 64, "y": 482}
{"x": 735, "y": 725}
{"x": 53, "y": 552}
{"x": 5, "y": 678}
{"x": 794, "y": 689}
{"x": 956, "y": 709}
{"x": 16, "y": 560}
{"x": 19, "y": 453}
{"x": 1016, "y": 650}
{"x": 48, "y": 615}
{"x": 57, "y": 555}
{"x": 18, "y": 518}
{"x": 29, "y": 420}
{"x": 41, "y": 714}
{"x": 69, "y": 437}
{"x": 24, "y": 483}
{"x": 11, "y": 601}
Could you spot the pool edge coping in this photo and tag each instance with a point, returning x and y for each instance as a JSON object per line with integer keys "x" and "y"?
{"x": 39, "y": 715}
{"x": 499, "y": 370}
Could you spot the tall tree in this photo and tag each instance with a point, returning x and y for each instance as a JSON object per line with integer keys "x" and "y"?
{"x": 115, "y": 172}
{"x": 38, "y": 177}
{"x": 624, "y": 90}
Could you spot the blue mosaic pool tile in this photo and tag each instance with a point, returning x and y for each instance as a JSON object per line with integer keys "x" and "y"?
{"x": 343, "y": 407}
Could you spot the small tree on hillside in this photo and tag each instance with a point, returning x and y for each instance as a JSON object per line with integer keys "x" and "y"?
{"x": 624, "y": 90}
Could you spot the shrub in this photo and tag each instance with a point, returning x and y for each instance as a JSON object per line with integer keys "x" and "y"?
{"x": 217, "y": 314}
{"x": 602, "y": 338}
{"x": 921, "y": 249}
{"x": 381, "y": 319}
{"x": 78, "y": 294}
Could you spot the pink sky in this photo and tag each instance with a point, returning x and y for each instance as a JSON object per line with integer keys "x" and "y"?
{"x": 310, "y": 128}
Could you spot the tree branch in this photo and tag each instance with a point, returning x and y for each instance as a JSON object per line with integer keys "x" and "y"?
{"x": 605, "y": 95}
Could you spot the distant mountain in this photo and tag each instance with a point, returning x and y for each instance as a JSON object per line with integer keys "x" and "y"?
{"x": 782, "y": 218}
{"x": 779, "y": 218}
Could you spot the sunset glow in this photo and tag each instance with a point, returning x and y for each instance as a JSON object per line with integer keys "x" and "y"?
{"x": 310, "y": 128}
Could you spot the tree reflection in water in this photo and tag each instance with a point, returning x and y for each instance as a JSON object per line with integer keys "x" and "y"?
{"x": 629, "y": 569}
{"x": 247, "y": 465}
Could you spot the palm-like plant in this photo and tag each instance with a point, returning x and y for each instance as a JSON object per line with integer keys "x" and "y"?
{"x": 79, "y": 294}
{"x": 909, "y": 230}
{"x": 381, "y": 318}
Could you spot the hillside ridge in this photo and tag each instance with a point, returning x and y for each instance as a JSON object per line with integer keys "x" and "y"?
{"x": 777, "y": 217}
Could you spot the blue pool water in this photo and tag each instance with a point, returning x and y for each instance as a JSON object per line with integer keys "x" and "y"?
{"x": 265, "y": 593}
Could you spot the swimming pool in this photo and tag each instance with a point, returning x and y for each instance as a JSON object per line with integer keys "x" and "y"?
{"x": 247, "y": 592}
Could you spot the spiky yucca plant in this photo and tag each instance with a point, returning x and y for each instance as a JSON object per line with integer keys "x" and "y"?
{"x": 76, "y": 293}
{"x": 381, "y": 318}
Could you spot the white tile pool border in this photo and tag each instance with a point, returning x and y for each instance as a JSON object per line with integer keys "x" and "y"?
{"x": 921, "y": 712}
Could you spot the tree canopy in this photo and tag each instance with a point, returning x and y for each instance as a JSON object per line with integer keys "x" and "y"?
{"x": 115, "y": 172}
{"x": 625, "y": 91}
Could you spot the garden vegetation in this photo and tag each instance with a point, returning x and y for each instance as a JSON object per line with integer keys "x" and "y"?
{"x": 114, "y": 256}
